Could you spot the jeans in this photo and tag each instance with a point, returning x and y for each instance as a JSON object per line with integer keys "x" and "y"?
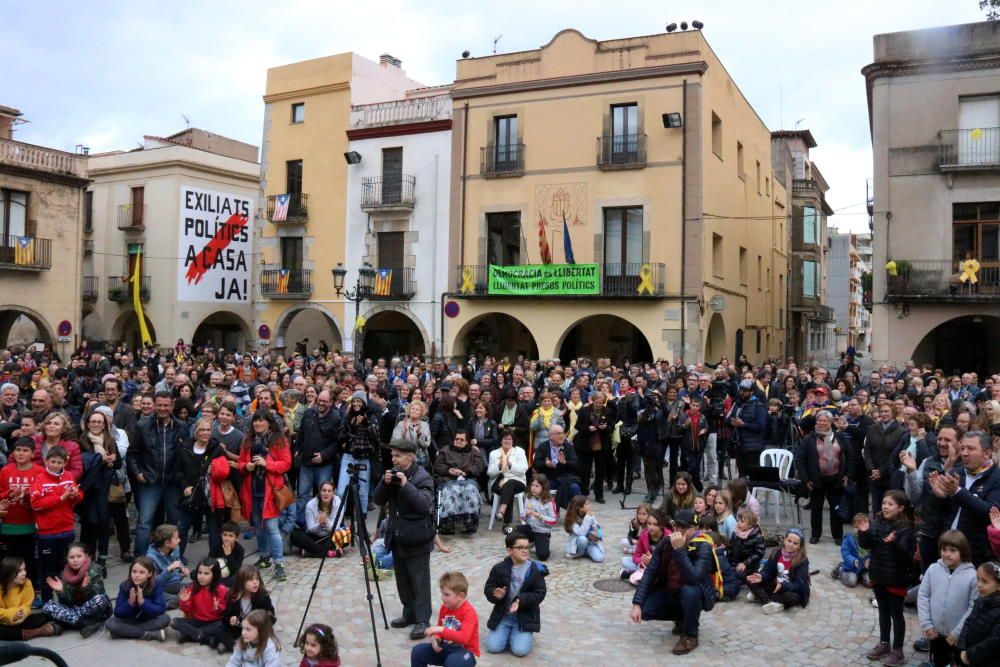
{"x": 508, "y": 635}
{"x": 150, "y": 497}
{"x": 127, "y": 628}
{"x": 310, "y": 478}
{"x": 628, "y": 564}
{"x": 451, "y": 655}
{"x": 710, "y": 461}
{"x": 268, "y": 534}
{"x": 680, "y": 606}
{"x": 363, "y": 479}
{"x": 692, "y": 463}
{"x": 580, "y": 545}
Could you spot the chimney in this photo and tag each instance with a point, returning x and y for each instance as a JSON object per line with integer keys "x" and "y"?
{"x": 386, "y": 59}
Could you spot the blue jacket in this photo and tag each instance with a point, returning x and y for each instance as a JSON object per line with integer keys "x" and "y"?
{"x": 730, "y": 584}
{"x": 152, "y": 605}
{"x": 753, "y": 433}
{"x": 798, "y": 578}
{"x": 162, "y": 562}
{"x": 850, "y": 552}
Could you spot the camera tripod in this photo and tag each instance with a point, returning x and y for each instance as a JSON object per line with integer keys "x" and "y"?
{"x": 359, "y": 529}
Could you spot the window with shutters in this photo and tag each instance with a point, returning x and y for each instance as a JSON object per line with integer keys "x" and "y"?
{"x": 503, "y": 238}
{"x": 392, "y": 175}
{"x": 293, "y": 177}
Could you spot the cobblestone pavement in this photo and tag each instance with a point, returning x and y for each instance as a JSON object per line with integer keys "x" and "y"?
{"x": 580, "y": 624}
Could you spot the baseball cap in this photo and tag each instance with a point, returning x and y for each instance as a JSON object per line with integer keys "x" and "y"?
{"x": 684, "y": 518}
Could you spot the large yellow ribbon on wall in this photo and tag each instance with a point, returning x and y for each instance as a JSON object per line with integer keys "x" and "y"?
{"x": 468, "y": 286}
{"x": 970, "y": 268}
{"x": 645, "y": 280}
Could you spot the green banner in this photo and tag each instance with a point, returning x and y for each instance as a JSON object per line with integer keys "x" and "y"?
{"x": 545, "y": 279}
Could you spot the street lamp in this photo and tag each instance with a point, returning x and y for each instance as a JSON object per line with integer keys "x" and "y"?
{"x": 362, "y": 290}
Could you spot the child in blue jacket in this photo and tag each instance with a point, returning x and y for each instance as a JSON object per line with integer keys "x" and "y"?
{"x": 165, "y": 554}
{"x": 140, "y": 611}
{"x": 855, "y": 561}
{"x": 783, "y": 579}
{"x": 730, "y": 584}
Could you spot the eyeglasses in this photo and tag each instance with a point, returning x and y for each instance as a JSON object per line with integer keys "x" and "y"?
{"x": 526, "y": 547}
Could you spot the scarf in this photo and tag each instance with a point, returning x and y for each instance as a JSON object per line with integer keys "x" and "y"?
{"x": 572, "y": 408}
{"x": 97, "y": 441}
{"x": 508, "y": 414}
{"x": 742, "y": 534}
{"x": 546, "y": 415}
{"x": 977, "y": 473}
{"x": 75, "y": 578}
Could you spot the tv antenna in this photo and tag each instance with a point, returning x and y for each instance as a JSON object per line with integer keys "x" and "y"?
{"x": 187, "y": 121}
{"x": 495, "y": 40}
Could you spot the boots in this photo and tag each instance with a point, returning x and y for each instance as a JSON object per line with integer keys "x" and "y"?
{"x": 895, "y": 658}
{"x": 47, "y": 630}
{"x": 881, "y": 650}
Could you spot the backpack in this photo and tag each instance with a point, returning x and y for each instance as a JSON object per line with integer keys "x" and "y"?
{"x": 716, "y": 570}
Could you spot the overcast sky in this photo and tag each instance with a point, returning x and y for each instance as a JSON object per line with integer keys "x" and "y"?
{"x": 103, "y": 74}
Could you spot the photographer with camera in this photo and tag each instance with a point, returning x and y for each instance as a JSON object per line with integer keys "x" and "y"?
{"x": 749, "y": 417}
{"x": 407, "y": 491}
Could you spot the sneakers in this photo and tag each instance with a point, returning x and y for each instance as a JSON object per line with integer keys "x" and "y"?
{"x": 773, "y": 608}
{"x": 923, "y": 645}
{"x": 38, "y": 603}
{"x": 895, "y": 658}
{"x": 835, "y": 573}
{"x": 881, "y": 650}
{"x": 623, "y": 574}
{"x": 221, "y": 649}
{"x": 155, "y": 636}
{"x": 279, "y": 571}
{"x": 751, "y": 597}
{"x": 263, "y": 563}
{"x": 88, "y": 630}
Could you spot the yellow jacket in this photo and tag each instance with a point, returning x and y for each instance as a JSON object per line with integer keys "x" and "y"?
{"x": 14, "y": 599}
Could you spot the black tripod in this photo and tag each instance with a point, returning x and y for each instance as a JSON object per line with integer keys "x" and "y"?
{"x": 629, "y": 465}
{"x": 359, "y": 529}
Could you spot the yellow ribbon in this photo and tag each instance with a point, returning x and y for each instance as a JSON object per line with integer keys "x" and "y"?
{"x": 468, "y": 286}
{"x": 890, "y": 268}
{"x": 976, "y": 134}
{"x": 645, "y": 280}
{"x": 970, "y": 268}
{"x": 359, "y": 323}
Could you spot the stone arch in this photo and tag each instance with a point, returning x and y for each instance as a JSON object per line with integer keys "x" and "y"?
{"x": 401, "y": 329}
{"x": 961, "y": 344}
{"x": 126, "y": 327}
{"x": 496, "y": 334}
{"x": 715, "y": 338}
{"x": 602, "y": 335}
{"x": 224, "y": 329}
{"x": 9, "y": 314}
{"x": 314, "y": 328}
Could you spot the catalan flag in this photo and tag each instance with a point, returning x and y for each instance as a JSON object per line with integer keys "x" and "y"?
{"x": 283, "y": 275}
{"x": 24, "y": 250}
{"x": 280, "y": 208}
{"x": 543, "y": 243}
{"x": 383, "y": 282}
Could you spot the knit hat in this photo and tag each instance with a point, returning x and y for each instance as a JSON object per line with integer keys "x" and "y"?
{"x": 359, "y": 396}
{"x": 105, "y": 410}
{"x": 746, "y": 384}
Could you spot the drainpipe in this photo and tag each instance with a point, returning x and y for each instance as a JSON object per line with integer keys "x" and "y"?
{"x": 434, "y": 237}
{"x": 465, "y": 162}
{"x": 684, "y": 161}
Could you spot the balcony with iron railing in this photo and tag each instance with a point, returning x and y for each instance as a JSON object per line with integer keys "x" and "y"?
{"x": 120, "y": 289}
{"x": 131, "y": 218}
{"x": 39, "y": 158}
{"x": 286, "y": 283}
{"x": 969, "y": 150}
{"x": 90, "y": 288}
{"x": 291, "y": 208}
{"x": 501, "y": 160}
{"x": 621, "y": 151}
{"x": 393, "y": 284}
{"x": 941, "y": 280}
{"x": 383, "y": 193}
{"x": 25, "y": 253}
{"x": 617, "y": 281}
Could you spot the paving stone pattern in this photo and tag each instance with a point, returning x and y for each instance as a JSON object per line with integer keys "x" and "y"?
{"x": 580, "y": 624}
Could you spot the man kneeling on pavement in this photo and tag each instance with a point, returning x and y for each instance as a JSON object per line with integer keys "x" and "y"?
{"x": 681, "y": 580}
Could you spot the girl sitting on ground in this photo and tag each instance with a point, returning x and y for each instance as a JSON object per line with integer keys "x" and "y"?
{"x": 203, "y": 603}
{"x": 634, "y": 565}
{"x": 140, "y": 611}
{"x": 746, "y": 548}
{"x": 258, "y": 646}
{"x": 80, "y": 599}
{"x": 723, "y": 511}
{"x": 586, "y": 536}
{"x": 321, "y": 537}
{"x": 247, "y": 595}
{"x": 680, "y": 496}
{"x": 319, "y": 647}
{"x": 636, "y": 525}
{"x": 17, "y": 623}
{"x": 783, "y": 580}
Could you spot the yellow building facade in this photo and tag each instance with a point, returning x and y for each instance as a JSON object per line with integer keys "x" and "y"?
{"x": 645, "y": 153}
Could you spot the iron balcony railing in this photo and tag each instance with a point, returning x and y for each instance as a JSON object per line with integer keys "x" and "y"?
{"x": 393, "y": 284}
{"x": 286, "y": 283}
{"x": 919, "y": 278}
{"x": 621, "y": 151}
{"x": 131, "y": 218}
{"x": 90, "y": 288}
{"x": 120, "y": 288}
{"x": 25, "y": 253}
{"x": 297, "y": 210}
{"x": 978, "y": 148}
{"x": 624, "y": 281}
{"x": 501, "y": 160}
{"x": 381, "y": 192}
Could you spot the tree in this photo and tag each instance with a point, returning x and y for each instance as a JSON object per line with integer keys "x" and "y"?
{"x": 992, "y": 8}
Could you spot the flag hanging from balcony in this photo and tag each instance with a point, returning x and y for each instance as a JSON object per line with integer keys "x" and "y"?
{"x": 567, "y": 242}
{"x": 543, "y": 243}
{"x": 280, "y": 208}
{"x": 136, "y": 281}
{"x": 383, "y": 282}
{"x": 283, "y": 275}
{"x": 24, "y": 250}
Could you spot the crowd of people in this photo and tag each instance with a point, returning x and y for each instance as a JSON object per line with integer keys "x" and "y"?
{"x": 196, "y": 442}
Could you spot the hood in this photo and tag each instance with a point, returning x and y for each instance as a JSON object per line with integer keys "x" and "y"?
{"x": 961, "y": 566}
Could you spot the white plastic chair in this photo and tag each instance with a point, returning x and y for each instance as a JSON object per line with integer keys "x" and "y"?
{"x": 496, "y": 505}
{"x": 782, "y": 460}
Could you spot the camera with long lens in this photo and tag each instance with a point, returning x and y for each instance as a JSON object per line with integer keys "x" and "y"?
{"x": 355, "y": 468}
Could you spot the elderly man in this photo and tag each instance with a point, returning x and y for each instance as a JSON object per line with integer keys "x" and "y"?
{"x": 407, "y": 490}
{"x": 556, "y": 459}
{"x": 10, "y": 406}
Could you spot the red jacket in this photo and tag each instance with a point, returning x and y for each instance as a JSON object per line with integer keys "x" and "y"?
{"x": 203, "y": 606}
{"x": 218, "y": 472}
{"x": 279, "y": 461}
{"x": 461, "y": 626}
{"x": 994, "y": 536}
{"x": 12, "y": 482}
{"x": 74, "y": 462}
{"x": 53, "y": 515}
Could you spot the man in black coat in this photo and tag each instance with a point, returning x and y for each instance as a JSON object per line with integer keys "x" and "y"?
{"x": 319, "y": 435}
{"x": 515, "y": 588}
{"x": 408, "y": 492}
{"x": 858, "y": 424}
{"x": 556, "y": 459}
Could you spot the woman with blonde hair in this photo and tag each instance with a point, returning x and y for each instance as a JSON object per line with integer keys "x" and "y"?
{"x": 55, "y": 430}
{"x": 414, "y": 428}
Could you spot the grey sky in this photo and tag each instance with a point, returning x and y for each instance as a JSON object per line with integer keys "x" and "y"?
{"x": 105, "y": 73}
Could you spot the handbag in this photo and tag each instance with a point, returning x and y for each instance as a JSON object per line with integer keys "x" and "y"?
{"x": 116, "y": 493}
{"x": 197, "y": 502}
{"x": 283, "y": 496}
